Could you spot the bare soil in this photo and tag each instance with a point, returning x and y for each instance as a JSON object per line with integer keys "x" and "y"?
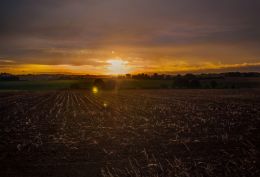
{"x": 130, "y": 133}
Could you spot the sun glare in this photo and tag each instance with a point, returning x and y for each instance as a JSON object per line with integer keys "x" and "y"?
{"x": 117, "y": 67}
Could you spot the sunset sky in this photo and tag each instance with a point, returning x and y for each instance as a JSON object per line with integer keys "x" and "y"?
{"x": 129, "y": 36}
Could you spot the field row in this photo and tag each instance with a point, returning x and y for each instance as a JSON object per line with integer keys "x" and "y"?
{"x": 130, "y": 133}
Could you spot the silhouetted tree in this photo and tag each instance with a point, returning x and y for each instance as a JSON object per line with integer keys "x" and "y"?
{"x": 190, "y": 76}
{"x": 180, "y": 82}
{"x": 194, "y": 83}
{"x": 128, "y": 76}
{"x": 99, "y": 83}
{"x": 8, "y": 77}
{"x": 213, "y": 84}
{"x": 186, "y": 81}
{"x": 110, "y": 84}
{"x": 141, "y": 76}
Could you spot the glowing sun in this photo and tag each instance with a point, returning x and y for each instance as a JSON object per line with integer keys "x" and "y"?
{"x": 117, "y": 67}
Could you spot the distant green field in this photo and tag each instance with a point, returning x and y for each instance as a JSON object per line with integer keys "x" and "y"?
{"x": 121, "y": 84}
{"x": 79, "y": 84}
{"x": 40, "y": 85}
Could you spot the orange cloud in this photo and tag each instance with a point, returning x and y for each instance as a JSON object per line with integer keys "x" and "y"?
{"x": 122, "y": 68}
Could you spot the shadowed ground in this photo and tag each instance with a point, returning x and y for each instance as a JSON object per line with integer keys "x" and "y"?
{"x": 130, "y": 133}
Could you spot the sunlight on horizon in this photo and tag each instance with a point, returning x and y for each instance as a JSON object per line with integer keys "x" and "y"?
{"x": 117, "y": 66}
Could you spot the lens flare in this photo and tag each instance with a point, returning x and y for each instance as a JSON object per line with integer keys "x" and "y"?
{"x": 94, "y": 90}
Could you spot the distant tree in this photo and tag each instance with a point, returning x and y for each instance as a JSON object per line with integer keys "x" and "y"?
{"x": 168, "y": 77}
{"x": 180, "y": 82}
{"x": 186, "y": 81}
{"x": 141, "y": 76}
{"x": 233, "y": 74}
{"x": 110, "y": 85}
{"x": 155, "y": 76}
{"x": 213, "y": 84}
{"x": 190, "y": 76}
{"x": 251, "y": 74}
{"x": 8, "y": 77}
{"x": 99, "y": 83}
{"x": 128, "y": 76}
{"x": 194, "y": 83}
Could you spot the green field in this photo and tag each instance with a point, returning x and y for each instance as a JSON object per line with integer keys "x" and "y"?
{"x": 79, "y": 84}
{"x": 40, "y": 85}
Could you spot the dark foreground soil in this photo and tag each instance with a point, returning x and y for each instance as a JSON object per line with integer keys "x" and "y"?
{"x": 130, "y": 133}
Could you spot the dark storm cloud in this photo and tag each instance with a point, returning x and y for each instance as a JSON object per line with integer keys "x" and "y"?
{"x": 28, "y": 28}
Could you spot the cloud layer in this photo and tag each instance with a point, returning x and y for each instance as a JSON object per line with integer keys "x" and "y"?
{"x": 148, "y": 32}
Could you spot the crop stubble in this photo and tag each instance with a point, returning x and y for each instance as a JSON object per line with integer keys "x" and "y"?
{"x": 130, "y": 133}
